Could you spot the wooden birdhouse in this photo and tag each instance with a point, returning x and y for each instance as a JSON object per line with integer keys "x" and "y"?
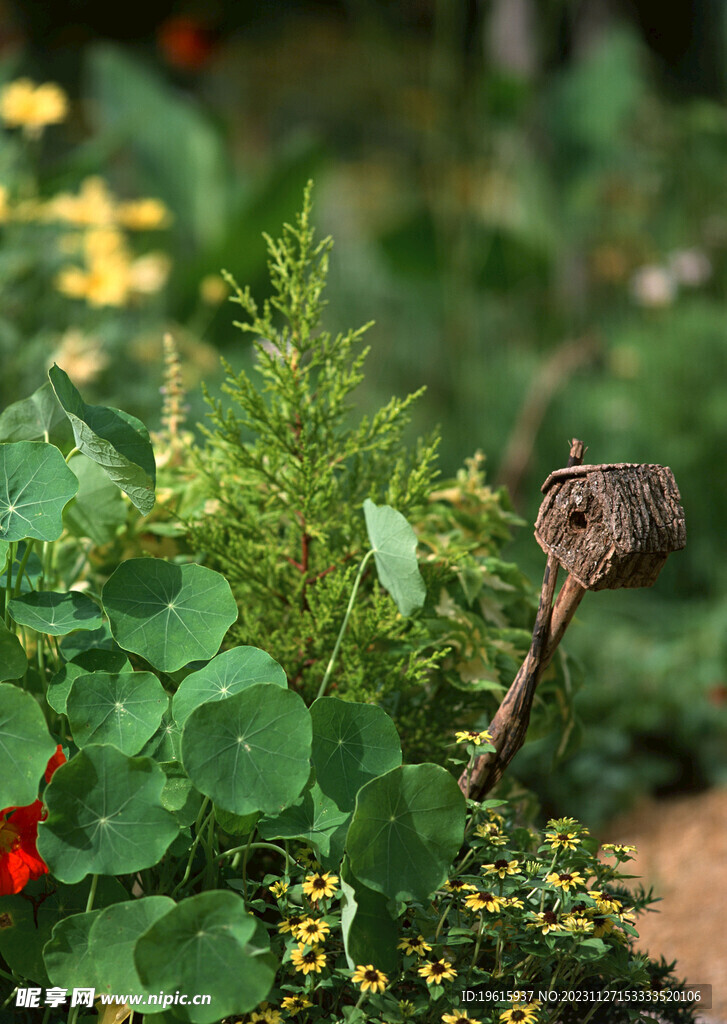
{"x": 611, "y": 526}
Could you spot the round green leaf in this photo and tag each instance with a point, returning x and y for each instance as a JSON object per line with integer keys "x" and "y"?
{"x": 98, "y": 509}
{"x": 166, "y": 743}
{"x": 122, "y": 708}
{"x": 352, "y": 744}
{"x": 205, "y": 944}
{"x": 395, "y": 544}
{"x": 13, "y": 661}
{"x": 87, "y": 640}
{"x": 225, "y": 675}
{"x": 105, "y": 815}
{"x": 407, "y": 828}
{"x": 25, "y": 747}
{"x": 369, "y": 933}
{"x": 85, "y": 663}
{"x": 31, "y": 418}
{"x": 66, "y": 954}
{"x": 35, "y": 484}
{"x": 117, "y": 441}
{"x": 250, "y": 752}
{"x": 313, "y": 818}
{"x": 55, "y": 613}
{"x": 111, "y": 942}
{"x": 169, "y": 614}
{"x": 179, "y": 795}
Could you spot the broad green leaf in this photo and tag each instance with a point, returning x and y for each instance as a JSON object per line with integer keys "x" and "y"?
{"x": 166, "y": 743}
{"x": 250, "y": 752}
{"x": 66, "y": 954}
{"x": 117, "y": 441}
{"x": 394, "y": 544}
{"x": 122, "y": 708}
{"x": 313, "y": 818}
{"x": 369, "y": 933}
{"x": 169, "y": 614}
{"x": 98, "y": 509}
{"x": 25, "y": 747}
{"x": 225, "y": 675}
{"x": 179, "y": 795}
{"x": 236, "y": 824}
{"x": 407, "y": 828}
{"x": 28, "y": 919}
{"x": 55, "y": 613}
{"x": 13, "y": 661}
{"x": 87, "y": 640}
{"x": 352, "y": 744}
{"x": 35, "y": 485}
{"x": 105, "y": 815}
{"x": 111, "y": 942}
{"x": 89, "y": 661}
{"x": 205, "y": 944}
{"x": 102, "y": 661}
{"x": 31, "y": 418}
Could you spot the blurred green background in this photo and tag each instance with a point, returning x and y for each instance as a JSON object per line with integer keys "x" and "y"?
{"x": 528, "y": 196}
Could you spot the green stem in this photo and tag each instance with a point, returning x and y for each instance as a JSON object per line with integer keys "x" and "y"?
{"x": 199, "y": 832}
{"x": 260, "y": 846}
{"x": 21, "y": 568}
{"x": 72, "y": 452}
{"x": 9, "y": 581}
{"x": 339, "y": 638}
{"x": 91, "y": 893}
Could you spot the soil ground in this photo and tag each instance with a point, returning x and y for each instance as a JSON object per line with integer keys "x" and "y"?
{"x": 682, "y": 853}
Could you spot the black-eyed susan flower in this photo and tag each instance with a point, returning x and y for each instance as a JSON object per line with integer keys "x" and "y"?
{"x": 313, "y": 960}
{"x": 562, "y": 840}
{"x": 369, "y": 978}
{"x": 458, "y": 1018}
{"x": 601, "y": 926}
{"x": 547, "y": 921}
{"x": 490, "y": 830}
{"x": 605, "y": 902}
{"x": 289, "y": 924}
{"x": 472, "y": 736}
{"x": 437, "y": 971}
{"x": 566, "y": 880}
{"x": 417, "y": 945}
{"x": 619, "y": 850}
{"x": 23, "y": 104}
{"x": 521, "y": 1013}
{"x": 457, "y": 885}
{"x": 296, "y": 1003}
{"x": 278, "y": 889}
{"x": 265, "y": 1015}
{"x": 513, "y": 901}
{"x": 318, "y": 886}
{"x": 484, "y": 901}
{"x": 311, "y": 930}
{"x": 577, "y": 923}
{"x": 502, "y": 868}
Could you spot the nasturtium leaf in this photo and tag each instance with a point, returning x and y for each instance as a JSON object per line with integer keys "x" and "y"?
{"x": 98, "y": 509}
{"x": 250, "y": 752}
{"x": 225, "y": 675}
{"x": 105, "y": 815}
{"x": 122, "y": 708}
{"x": 179, "y": 795}
{"x": 31, "y": 418}
{"x": 35, "y": 485}
{"x": 88, "y": 640}
{"x": 205, "y": 944}
{"x": 394, "y": 543}
{"x": 313, "y": 818}
{"x": 66, "y": 954}
{"x": 98, "y": 660}
{"x": 166, "y": 743}
{"x": 352, "y": 744}
{"x": 111, "y": 942}
{"x": 407, "y": 828}
{"x": 369, "y": 933}
{"x": 55, "y": 613}
{"x": 236, "y": 824}
{"x": 13, "y": 661}
{"x": 117, "y": 441}
{"x": 169, "y": 614}
{"x": 29, "y": 917}
{"x": 25, "y": 747}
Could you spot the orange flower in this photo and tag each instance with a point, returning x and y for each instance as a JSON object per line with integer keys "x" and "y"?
{"x": 19, "y": 857}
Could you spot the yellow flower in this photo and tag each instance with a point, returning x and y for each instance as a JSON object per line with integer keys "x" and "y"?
{"x": 491, "y": 830}
{"x": 622, "y": 852}
{"x": 566, "y": 880}
{"x": 317, "y": 886}
{"x": 566, "y": 840}
{"x": 269, "y": 1015}
{"x": 547, "y": 921}
{"x": 436, "y": 971}
{"x": 513, "y": 901}
{"x": 417, "y": 945}
{"x": 502, "y": 868}
{"x": 143, "y": 214}
{"x": 313, "y": 960}
{"x": 310, "y": 931}
{"x": 80, "y": 356}
{"x": 289, "y": 924}
{"x": 606, "y": 903}
{"x": 458, "y": 1018}
{"x": 94, "y": 206}
{"x": 484, "y": 901}
{"x": 521, "y": 1013}
{"x": 471, "y": 736}
{"x": 293, "y": 1004}
{"x": 23, "y": 104}
{"x": 457, "y": 885}
{"x": 278, "y": 889}
{"x": 576, "y": 923}
{"x": 213, "y": 289}
{"x": 369, "y": 978}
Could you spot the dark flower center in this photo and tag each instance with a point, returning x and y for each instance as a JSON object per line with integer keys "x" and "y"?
{"x": 501, "y": 863}
{"x": 437, "y": 968}
{"x": 563, "y": 835}
{"x": 319, "y": 883}
{"x": 517, "y": 1015}
{"x": 565, "y": 877}
{"x": 310, "y": 957}
{"x": 486, "y": 897}
{"x": 371, "y": 975}
{"x": 550, "y": 917}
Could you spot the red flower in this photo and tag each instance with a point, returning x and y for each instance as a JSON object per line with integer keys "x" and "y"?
{"x": 19, "y": 857}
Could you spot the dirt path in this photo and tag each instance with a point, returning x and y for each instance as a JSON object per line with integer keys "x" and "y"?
{"x": 682, "y": 846}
